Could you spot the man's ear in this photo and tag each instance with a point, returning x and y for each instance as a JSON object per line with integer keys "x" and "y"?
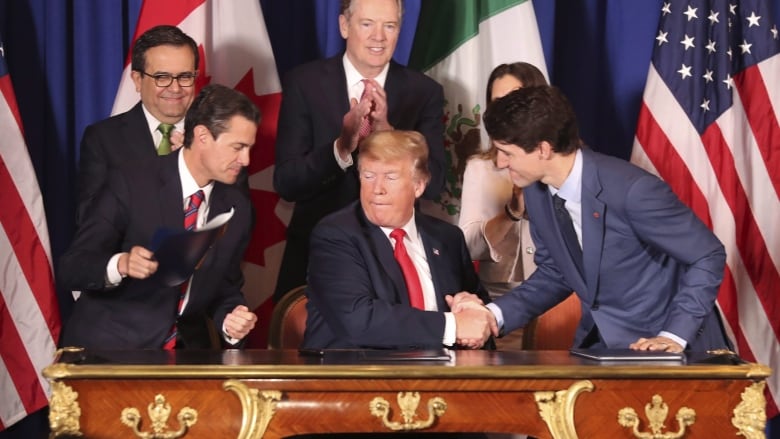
{"x": 419, "y": 186}
{"x": 343, "y": 26}
{"x": 200, "y": 134}
{"x": 137, "y": 78}
{"x": 545, "y": 150}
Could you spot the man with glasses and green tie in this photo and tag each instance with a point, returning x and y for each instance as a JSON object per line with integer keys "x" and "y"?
{"x": 164, "y": 69}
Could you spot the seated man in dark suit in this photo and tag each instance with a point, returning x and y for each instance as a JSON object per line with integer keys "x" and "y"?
{"x": 122, "y": 306}
{"x": 363, "y": 292}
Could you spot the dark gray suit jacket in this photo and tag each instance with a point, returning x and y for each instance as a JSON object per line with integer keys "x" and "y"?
{"x": 649, "y": 263}
{"x": 107, "y": 145}
{"x": 314, "y": 102}
{"x": 356, "y": 291}
{"x": 141, "y": 198}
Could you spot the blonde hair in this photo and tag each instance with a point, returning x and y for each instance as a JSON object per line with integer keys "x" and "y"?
{"x": 396, "y": 145}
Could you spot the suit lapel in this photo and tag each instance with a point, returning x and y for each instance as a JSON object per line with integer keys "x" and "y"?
{"x": 433, "y": 247}
{"x": 171, "y": 203}
{"x": 334, "y": 86}
{"x": 135, "y": 133}
{"x": 383, "y": 251}
{"x": 393, "y": 87}
{"x": 593, "y": 225}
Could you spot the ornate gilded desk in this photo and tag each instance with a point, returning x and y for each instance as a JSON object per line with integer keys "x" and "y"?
{"x": 274, "y": 394}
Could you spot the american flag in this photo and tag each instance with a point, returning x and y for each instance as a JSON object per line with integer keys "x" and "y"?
{"x": 709, "y": 127}
{"x": 29, "y": 314}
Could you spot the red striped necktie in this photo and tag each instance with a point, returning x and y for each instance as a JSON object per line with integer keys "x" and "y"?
{"x": 190, "y": 221}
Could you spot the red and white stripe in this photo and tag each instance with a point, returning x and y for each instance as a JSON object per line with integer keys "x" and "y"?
{"x": 730, "y": 176}
{"x": 29, "y": 313}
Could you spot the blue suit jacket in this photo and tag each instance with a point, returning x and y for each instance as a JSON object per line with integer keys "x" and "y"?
{"x": 649, "y": 263}
{"x": 356, "y": 291}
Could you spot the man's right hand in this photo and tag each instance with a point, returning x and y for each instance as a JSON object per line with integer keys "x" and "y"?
{"x": 473, "y": 326}
{"x": 138, "y": 264}
{"x": 350, "y": 127}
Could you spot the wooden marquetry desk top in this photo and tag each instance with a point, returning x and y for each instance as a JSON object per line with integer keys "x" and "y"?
{"x": 274, "y": 394}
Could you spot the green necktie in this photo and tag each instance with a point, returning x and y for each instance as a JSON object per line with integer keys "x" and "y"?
{"x": 165, "y": 144}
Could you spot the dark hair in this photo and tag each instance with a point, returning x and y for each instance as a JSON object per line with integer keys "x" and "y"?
{"x": 213, "y": 107}
{"x": 346, "y": 8}
{"x": 526, "y": 73}
{"x": 529, "y": 115}
{"x": 163, "y": 35}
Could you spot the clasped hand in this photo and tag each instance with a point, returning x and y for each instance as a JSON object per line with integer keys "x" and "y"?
{"x": 474, "y": 323}
{"x": 373, "y": 106}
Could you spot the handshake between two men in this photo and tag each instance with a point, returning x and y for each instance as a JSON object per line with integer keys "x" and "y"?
{"x": 474, "y": 322}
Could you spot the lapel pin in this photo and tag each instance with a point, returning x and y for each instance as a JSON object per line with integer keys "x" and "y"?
{"x": 436, "y": 251}
{"x": 596, "y": 215}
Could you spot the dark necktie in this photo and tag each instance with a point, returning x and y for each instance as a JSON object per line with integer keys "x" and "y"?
{"x": 190, "y": 220}
{"x": 567, "y": 228}
{"x": 365, "y": 123}
{"x": 165, "y": 143}
{"x": 411, "y": 278}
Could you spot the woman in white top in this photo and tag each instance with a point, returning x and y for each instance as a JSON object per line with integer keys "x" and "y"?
{"x": 492, "y": 214}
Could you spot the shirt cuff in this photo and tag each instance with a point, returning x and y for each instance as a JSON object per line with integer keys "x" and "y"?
{"x": 113, "y": 278}
{"x": 230, "y": 340}
{"x": 449, "y": 329}
{"x": 343, "y": 164}
{"x": 498, "y": 315}
{"x": 677, "y": 339}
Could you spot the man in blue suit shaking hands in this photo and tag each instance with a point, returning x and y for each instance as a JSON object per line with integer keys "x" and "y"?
{"x": 645, "y": 268}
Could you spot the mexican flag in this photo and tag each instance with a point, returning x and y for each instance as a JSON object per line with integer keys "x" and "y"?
{"x": 459, "y": 45}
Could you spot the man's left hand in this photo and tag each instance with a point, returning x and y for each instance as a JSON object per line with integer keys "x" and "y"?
{"x": 239, "y": 322}
{"x": 656, "y": 344}
{"x": 378, "y": 113}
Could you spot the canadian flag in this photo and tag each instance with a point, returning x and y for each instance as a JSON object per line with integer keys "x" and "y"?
{"x": 235, "y": 51}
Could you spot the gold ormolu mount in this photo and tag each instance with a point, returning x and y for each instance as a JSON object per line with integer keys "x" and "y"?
{"x": 159, "y": 412}
{"x": 408, "y": 403}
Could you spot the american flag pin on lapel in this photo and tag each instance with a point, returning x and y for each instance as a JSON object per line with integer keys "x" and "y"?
{"x": 596, "y": 215}
{"x": 436, "y": 251}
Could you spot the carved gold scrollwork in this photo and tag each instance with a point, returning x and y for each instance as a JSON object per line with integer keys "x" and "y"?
{"x": 750, "y": 414}
{"x": 408, "y": 403}
{"x": 557, "y": 409}
{"x": 64, "y": 410}
{"x": 657, "y": 411}
{"x": 258, "y": 408}
{"x": 159, "y": 412}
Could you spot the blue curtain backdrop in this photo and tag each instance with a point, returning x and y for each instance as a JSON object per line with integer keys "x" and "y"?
{"x": 66, "y": 58}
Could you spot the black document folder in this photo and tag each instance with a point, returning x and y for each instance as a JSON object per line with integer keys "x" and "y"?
{"x": 179, "y": 253}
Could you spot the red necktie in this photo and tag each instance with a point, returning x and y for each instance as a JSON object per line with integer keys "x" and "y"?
{"x": 190, "y": 220}
{"x": 365, "y": 123}
{"x": 407, "y": 267}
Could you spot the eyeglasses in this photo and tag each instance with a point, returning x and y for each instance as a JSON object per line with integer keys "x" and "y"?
{"x": 186, "y": 79}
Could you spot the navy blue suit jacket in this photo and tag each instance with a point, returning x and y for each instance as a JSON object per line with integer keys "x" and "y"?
{"x": 314, "y": 102}
{"x": 140, "y": 199}
{"x": 356, "y": 291}
{"x": 649, "y": 263}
